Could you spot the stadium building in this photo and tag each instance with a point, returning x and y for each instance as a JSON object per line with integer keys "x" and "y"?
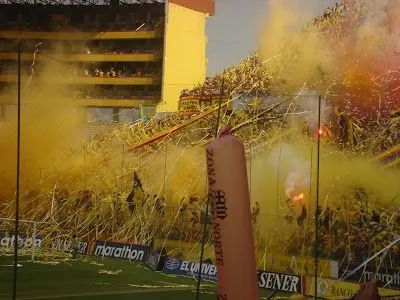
{"x": 130, "y": 59}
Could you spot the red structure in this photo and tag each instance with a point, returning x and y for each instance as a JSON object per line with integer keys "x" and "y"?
{"x": 204, "y": 6}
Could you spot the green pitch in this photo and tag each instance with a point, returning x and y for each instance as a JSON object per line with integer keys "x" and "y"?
{"x": 96, "y": 278}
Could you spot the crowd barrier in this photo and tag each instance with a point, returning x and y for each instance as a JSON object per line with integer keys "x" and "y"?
{"x": 110, "y": 249}
{"x": 326, "y": 287}
{"x": 334, "y": 289}
{"x": 387, "y": 276}
{"x": 118, "y": 250}
{"x": 284, "y": 263}
{"x": 64, "y": 245}
{"x": 267, "y": 280}
{"x": 24, "y": 241}
{"x": 286, "y": 281}
{"x": 190, "y": 268}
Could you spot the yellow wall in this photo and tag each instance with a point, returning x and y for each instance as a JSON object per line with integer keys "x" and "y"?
{"x": 184, "y": 54}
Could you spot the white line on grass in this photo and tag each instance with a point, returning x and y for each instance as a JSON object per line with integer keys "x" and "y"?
{"x": 18, "y": 265}
{"x": 138, "y": 291}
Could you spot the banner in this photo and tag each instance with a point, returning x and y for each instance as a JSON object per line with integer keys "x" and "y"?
{"x": 300, "y": 265}
{"x": 266, "y": 280}
{"x": 24, "y": 241}
{"x": 119, "y": 250}
{"x": 280, "y": 282}
{"x": 65, "y": 246}
{"x": 388, "y": 277}
{"x": 189, "y": 268}
{"x": 283, "y": 263}
{"x": 332, "y": 289}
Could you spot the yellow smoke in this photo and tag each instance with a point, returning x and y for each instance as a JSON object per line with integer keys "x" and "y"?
{"x": 49, "y": 128}
{"x": 346, "y": 52}
{"x": 298, "y": 57}
{"x": 340, "y": 176}
{"x": 176, "y": 173}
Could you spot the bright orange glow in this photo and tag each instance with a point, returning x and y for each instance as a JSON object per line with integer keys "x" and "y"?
{"x": 298, "y": 197}
{"x": 320, "y": 131}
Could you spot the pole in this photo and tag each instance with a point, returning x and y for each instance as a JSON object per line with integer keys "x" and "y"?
{"x": 165, "y": 168}
{"x": 317, "y": 200}
{"x": 122, "y": 169}
{"x": 309, "y": 204}
{"x": 250, "y": 169}
{"x": 277, "y": 183}
{"x": 84, "y": 165}
{"x": 207, "y": 199}
{"x": 97, "y": 217}
{"x": 18, "y": 170}
{"x": 33, "y": 242}
{"x": 52, "y": 202}
{"x": 219, "y": 104}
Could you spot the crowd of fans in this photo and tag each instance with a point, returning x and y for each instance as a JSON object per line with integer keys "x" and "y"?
{"x": 345, "y": 235}
{"x": 106, "y": 71}
{"x": 49, "y": 48}
{"x": 119, "y": 50}
{"x": 249, "y": 77}
{"x": 7, "y": 69}
{"x": 341, "y": 19}
{"x": 353, "y": 232}
{"x": 115, "y": 94}
{"x": 331, "y": 17}
{"x": 118, "y": 70}
{"x": 350, "y": 233}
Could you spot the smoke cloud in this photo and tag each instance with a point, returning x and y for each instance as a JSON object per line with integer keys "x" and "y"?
{"x": 353, "y": 54}
{"x": 50, "y": 126}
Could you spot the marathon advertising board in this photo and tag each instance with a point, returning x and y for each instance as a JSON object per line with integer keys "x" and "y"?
{"x": 24, "y": 241}
{"x": 65, "y": 246}
{"x": 280, "y": 282}
{"x": 119, "y": 250}
{"x": 387, "y": 277}
{"x": 189, "y": 268}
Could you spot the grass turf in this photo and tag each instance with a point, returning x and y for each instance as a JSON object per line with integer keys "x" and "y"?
{"x": 92, "y": 278}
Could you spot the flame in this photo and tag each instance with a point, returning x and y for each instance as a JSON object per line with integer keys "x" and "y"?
{"x": 298, "y": 197}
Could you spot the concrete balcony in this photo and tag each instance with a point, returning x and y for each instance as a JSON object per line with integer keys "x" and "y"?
{"x": 129, "y": 57}
{"x": 101, "y": 102}
{"x": 79, "y": 35}
{"x": 80, "y": 80}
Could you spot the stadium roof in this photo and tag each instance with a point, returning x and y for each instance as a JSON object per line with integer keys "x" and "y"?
{"x": 205, "y": 6}
{"x": 78, "y": 2}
